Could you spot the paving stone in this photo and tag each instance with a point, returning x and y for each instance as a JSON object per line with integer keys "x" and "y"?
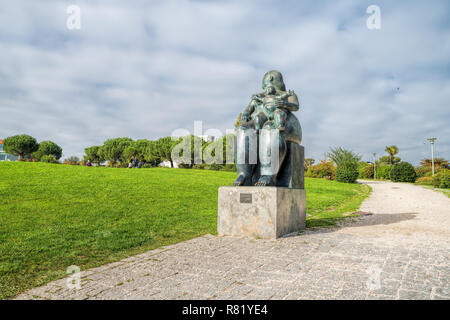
{"x": 413, "y": 295}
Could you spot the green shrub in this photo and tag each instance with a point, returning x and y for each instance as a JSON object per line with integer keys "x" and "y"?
{"x": 361, "y": 166}
{"x": 347, "y": 172}
{"x": 368, "y": 172}
{"x": 214, "y": 166}
{"x": 229, "y": 167}
{"x": 441, "y": 179}
{"x": 48, "y": 158}
{"x": 322, "y": 170}
{"x": 445, "y": 178}
{"x": 427, "y": 181}
{"x": 347, "y": 163}
{"x": 198, "y": 166}
{"x": 384, "y": 172}
{"x": 403, "y": 172}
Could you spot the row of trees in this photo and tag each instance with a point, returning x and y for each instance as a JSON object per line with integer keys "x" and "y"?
{"x": 26, "y": 146}
{"x": 118, "y": 151}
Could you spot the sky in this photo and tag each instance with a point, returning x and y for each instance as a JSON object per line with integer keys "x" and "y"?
{"x": 143, "y": 69}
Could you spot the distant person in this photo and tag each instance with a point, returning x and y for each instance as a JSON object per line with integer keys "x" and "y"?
{"x": 136, "y": 162}
{"x": 130, "y": 165}
{"x": 89, "y": 164}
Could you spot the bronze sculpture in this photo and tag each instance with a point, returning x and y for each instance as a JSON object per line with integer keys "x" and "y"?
{"x": 269, "y": 119}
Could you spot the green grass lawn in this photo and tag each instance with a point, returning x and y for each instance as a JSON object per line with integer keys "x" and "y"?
{"x": 53, "y": 216}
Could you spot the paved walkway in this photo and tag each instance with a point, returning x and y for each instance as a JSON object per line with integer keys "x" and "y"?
{"x": 399, "y": 252}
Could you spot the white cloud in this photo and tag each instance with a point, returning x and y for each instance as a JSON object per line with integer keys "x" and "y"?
{"x": 144, "y": 69}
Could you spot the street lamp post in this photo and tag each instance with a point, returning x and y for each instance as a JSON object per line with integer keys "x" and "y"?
{"x": 432, "y": 154}
{"x": 374, "y": 166}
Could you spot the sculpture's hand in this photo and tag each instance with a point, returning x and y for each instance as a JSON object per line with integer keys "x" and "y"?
{"x": 279, "y": 103}
{"x": 256, "y": 98}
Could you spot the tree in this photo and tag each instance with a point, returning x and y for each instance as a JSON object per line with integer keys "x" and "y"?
{"x": 190, "y": 143}
{"x": 225, "y": 145}
{"x": 341, "y": 156}
{"x": 20, "y": 145}
{"x": 130, "y": 151}
{"x": 163, "y": 149}
{"x": 392, "y": 151}
{"x": 48, "y": 148}
{"x": 308, "y": 162}
{"x": 138, "y": 149}
{"x": 438, "y": 163}
{"x": 93, "y": 154}
{"x": 112, "y": 150}
{"x": 141, "y": 146}
{"x": 150, "y": 153}
{"x": 387, "y": 160}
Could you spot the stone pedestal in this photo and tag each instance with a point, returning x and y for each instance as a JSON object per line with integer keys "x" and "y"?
{"x": 262, "y": 212}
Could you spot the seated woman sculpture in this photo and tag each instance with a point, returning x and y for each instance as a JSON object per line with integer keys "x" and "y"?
{"x": 272, "y": 110}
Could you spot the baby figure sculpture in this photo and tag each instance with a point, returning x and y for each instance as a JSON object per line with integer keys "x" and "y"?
{"x": 269, "y": 109}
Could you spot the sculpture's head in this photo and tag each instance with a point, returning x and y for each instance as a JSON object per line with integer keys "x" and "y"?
{"x": 275, "y": 79}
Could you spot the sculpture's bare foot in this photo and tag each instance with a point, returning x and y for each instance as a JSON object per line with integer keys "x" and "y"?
{"x": 239, "y": 181}
{"x": 265, "y": 181}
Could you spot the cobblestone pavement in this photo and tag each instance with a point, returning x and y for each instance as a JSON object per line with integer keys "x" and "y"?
{"x": 399, "y": 252}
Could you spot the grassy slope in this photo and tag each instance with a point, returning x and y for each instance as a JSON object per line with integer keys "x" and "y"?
{"x": 54, "y": 216}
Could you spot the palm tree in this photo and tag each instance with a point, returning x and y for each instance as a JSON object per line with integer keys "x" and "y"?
{"x": 392, "y": 151}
